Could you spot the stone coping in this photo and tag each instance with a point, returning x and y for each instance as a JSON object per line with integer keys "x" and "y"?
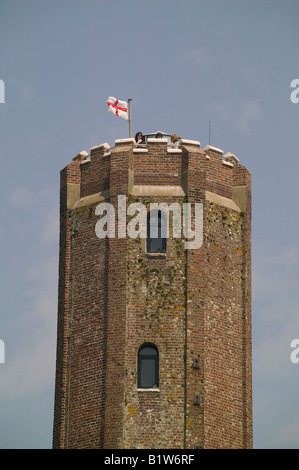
{"x": 213, "y": 149}
{"x": 148, "y": 190}
{"x": 222, "y": 201}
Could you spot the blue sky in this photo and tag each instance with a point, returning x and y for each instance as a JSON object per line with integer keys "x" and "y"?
{"x": 183, "y": 63}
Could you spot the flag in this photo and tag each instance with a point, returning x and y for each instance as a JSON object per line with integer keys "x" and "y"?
{"x": 119, "y": 108}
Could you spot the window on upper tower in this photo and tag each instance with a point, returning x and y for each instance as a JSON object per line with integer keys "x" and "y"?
{"x": 156, "y": 232}
{"x": 148, "y": 367}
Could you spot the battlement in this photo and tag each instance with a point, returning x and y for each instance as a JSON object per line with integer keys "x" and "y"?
{"x": 157, "y": 163}
{"x": 153, "y": 144}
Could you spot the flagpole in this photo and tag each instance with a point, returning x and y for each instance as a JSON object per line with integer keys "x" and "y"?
{"x": 130, "y": 119}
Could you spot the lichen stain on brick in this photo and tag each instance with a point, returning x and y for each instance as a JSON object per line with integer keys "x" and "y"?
{"x": 132, "y": 409}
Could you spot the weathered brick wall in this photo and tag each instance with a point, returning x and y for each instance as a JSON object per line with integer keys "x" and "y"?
{"x": 156, "y": 166}
{"x": 196, "y": 162}
{"x": 69, "y": 177}
{"x": 88, "y": 334}
{"x": 223, "y": 353}
{"x": 192, "y": 304}
{"x": 95, "y": 175}
{"x": 116, "y": 325}
{"x": 82, "y": 318}
{"x": 155, "y": 314}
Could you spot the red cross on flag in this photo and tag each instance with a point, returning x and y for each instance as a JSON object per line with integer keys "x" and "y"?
{"x": 117, "y": 107}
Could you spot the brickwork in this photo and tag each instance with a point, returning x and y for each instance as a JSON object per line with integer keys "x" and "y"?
{"x": 155, "y": 314}
{"x": 157, "y": 166}
{"x": 194, "y": 305}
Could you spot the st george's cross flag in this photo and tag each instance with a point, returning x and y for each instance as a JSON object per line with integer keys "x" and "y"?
{"x": 117, "y": 107}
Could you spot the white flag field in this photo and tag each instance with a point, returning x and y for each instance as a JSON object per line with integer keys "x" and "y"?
{"x": 117, "y": 107}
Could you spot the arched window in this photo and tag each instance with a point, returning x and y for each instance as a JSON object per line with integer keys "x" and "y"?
{"x": 148, "y": 366}
{"x": 155, "y": 232}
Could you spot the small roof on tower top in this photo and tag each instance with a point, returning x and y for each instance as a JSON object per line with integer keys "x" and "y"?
{"x": 153, "y": 134}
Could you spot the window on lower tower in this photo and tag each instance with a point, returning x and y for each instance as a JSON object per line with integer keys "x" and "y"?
{"x": 148, "y": 366}
{"x": 156, "y": 232}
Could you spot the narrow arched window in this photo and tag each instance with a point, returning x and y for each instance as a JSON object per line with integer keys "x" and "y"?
{"x": 148, "y": 366}
{"x": 156, "y": 232}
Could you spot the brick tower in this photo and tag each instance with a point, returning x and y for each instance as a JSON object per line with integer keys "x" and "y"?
{"x": 154, "y": 346}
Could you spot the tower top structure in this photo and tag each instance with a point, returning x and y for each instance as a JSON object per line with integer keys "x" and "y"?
{"x": 153, "y": 339}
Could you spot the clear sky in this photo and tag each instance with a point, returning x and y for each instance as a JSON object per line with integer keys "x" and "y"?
{"x": 183, "y": 63}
